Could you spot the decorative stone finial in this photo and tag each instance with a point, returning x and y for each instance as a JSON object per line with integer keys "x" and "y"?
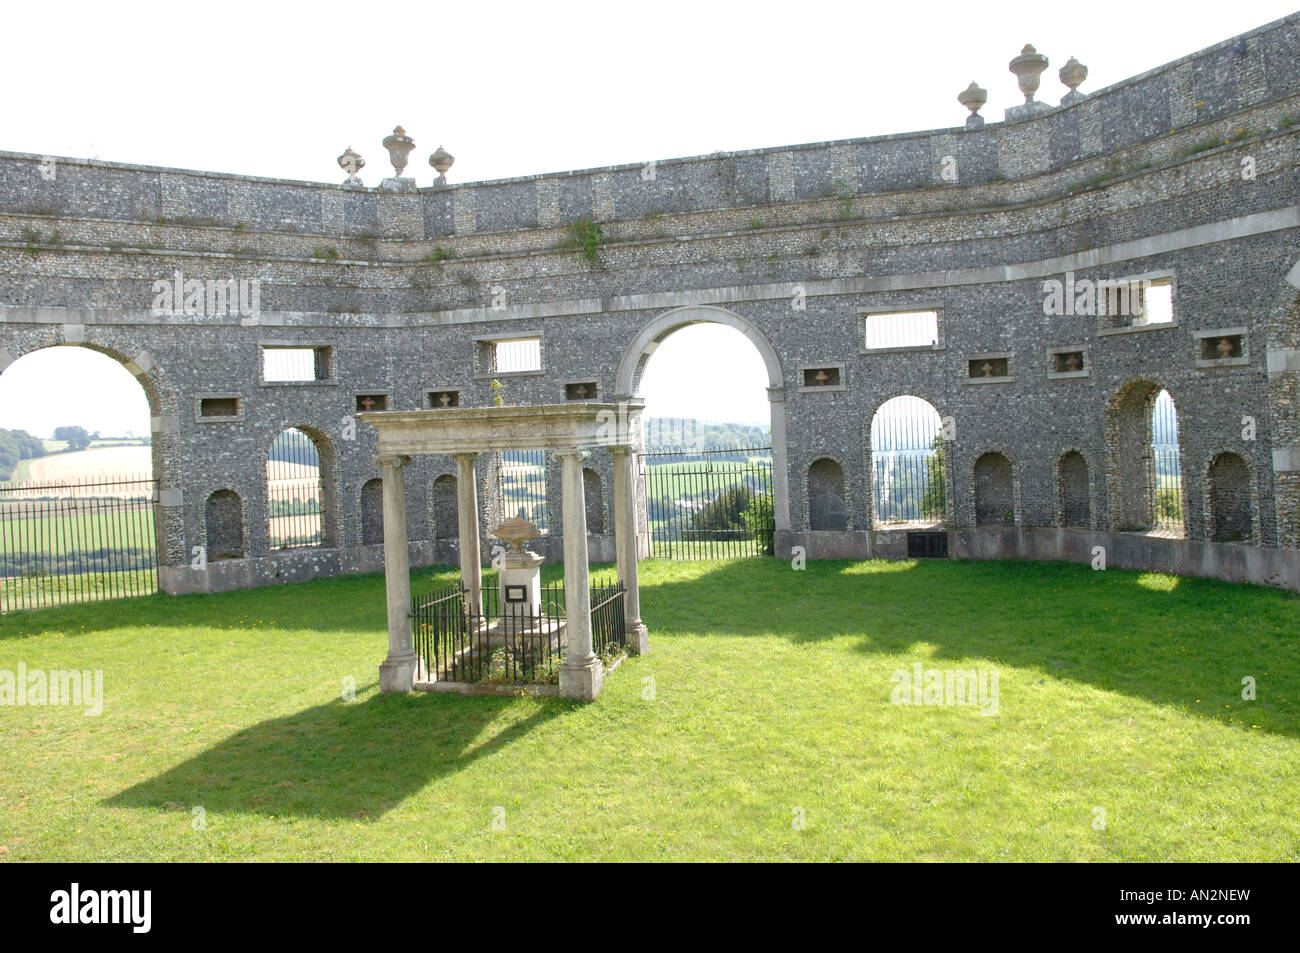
{"x": 351, "y": 163}
{"x": 1072, "y": 74}
{"x": 441, "y": 160}
{"x": 399, "y": 146}
{"x": 1028, "y": 67}
{"x": 973, "y": 97}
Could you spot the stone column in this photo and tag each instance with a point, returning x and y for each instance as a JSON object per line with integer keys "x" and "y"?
{"x": 471, "y": 566}
{"x": 581, "y": 673}
{"x": 780, "y": 475}
{"x": 625, "y": 544}
{"x": 397, "y": 673}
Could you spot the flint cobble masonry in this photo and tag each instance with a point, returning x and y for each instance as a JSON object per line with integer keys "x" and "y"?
{"x": 793, "y": 246}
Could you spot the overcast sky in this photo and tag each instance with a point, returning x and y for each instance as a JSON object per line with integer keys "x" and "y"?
{"x": 280, "y": 89}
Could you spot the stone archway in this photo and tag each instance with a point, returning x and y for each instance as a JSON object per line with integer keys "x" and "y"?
{"x": 164, "y": 417}
{"x": 632, "y": 366}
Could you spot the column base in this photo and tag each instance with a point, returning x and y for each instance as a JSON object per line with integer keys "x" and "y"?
{"x": 582, "y": 680}
{"x": 638, "y": 639}
{"x": 397, "y": 673}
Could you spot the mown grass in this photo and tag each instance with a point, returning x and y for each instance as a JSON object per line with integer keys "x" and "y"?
{"x": 766, "y": 693}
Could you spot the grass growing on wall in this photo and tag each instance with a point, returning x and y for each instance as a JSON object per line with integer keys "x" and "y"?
{"x": 766, "y": 693}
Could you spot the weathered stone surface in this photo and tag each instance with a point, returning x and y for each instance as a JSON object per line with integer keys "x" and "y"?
{"x": 1124, "y": 183}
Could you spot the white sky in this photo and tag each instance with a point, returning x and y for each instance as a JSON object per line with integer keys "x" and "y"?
{"x": 709, "y": 372}
{"x": 279, "y": 89}
{"x": 71, "y": 386}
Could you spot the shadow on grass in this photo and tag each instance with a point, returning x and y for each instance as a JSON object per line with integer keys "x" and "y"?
{"x": 337, "y": 604}
{"x": 343, "y": 759}
{"x": 1181, "y": 642}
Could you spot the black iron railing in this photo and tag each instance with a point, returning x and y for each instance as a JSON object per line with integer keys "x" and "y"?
{"x": 294, "y": 492}
{"x": 523, "y": 486}
{"x": 69, "y": 542}
{"x": 608, "y": 623}
{"x": 907, "y": 462}
{"x": 1166, "y": 477}
{"x": 504, "y": 642}
{"x": 709, "y": 504}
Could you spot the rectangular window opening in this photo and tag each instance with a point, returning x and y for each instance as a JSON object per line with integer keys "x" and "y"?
{"x": 1136, "y": 302}
{"x": 901, "y": 329}
{"x": 516, "y": 354}
{"x": 295, "y": 364}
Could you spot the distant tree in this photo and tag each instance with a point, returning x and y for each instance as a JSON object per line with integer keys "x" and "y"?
{"x": 76, "y": 437}
{"x": 8, "y": 455}
{"x": 17, "y": 445}
{"x": 760, "y": 521}
{"x": 724, "y": 511}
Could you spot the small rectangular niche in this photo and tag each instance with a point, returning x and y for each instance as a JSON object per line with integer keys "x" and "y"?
{"x": 443, "y": 398}
{"x": 824, "y": 377}
{"x": 989, "y": 368}
{"x": 580, "y": 390}
{"x": 297, "y": 364}
{"x": 219, "y": 408}
{"x": 927, "y": 545}
{"x": 1067, "y": 362}
{"x": 369, "y": 402}
{"x": 1222, "y": 347}
{"x": 900, "y": 330}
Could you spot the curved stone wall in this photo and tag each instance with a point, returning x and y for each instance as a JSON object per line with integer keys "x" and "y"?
{"x": 402, "y": 291}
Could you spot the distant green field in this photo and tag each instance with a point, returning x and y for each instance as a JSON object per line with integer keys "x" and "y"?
{"x": 110, "y": 525}
{"x": 714, "y": 466}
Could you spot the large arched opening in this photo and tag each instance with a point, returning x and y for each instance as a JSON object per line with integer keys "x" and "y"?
{"x": 719, "y": 369}
{"x": 910, "y": 482}
{"x": 1144, "y": 466}
{"x": 301, "y": 510}
{"x": 88, "y": 505}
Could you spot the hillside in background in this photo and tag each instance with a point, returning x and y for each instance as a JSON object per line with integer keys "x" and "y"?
{"x": 676, "y": 432}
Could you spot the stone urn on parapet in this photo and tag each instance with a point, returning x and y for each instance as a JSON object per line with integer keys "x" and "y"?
{"x": 973, "y": 97}
{"x": 441, "y": 160}
{"x": 352, "y": 163}
{"x": 1028, "y": 67}
{"x": 399, "y": 146}
{"x": 520, "y": 576}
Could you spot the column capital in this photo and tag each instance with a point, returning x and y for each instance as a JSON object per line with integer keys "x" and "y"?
{"x": 393, "y": 460}
{"x": 465, "y": 456}
{"x": 578, "y": 455}
{"x": 621, "y": 448}
{"x": 775, "y": 394}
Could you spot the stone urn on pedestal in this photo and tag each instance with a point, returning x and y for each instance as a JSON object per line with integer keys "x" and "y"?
{"x": 399, "y": 146}
{"x": 1028, "y": 67}
{"x": 351, "y": 163}
{"x": 520, "y": 576}
{"x": 441, "y": 160}
{"x": 1072, "y": 74}
{"x": 973, "y": 97}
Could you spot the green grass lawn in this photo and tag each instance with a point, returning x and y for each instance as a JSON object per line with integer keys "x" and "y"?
{"x": 1118, "y": 691}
